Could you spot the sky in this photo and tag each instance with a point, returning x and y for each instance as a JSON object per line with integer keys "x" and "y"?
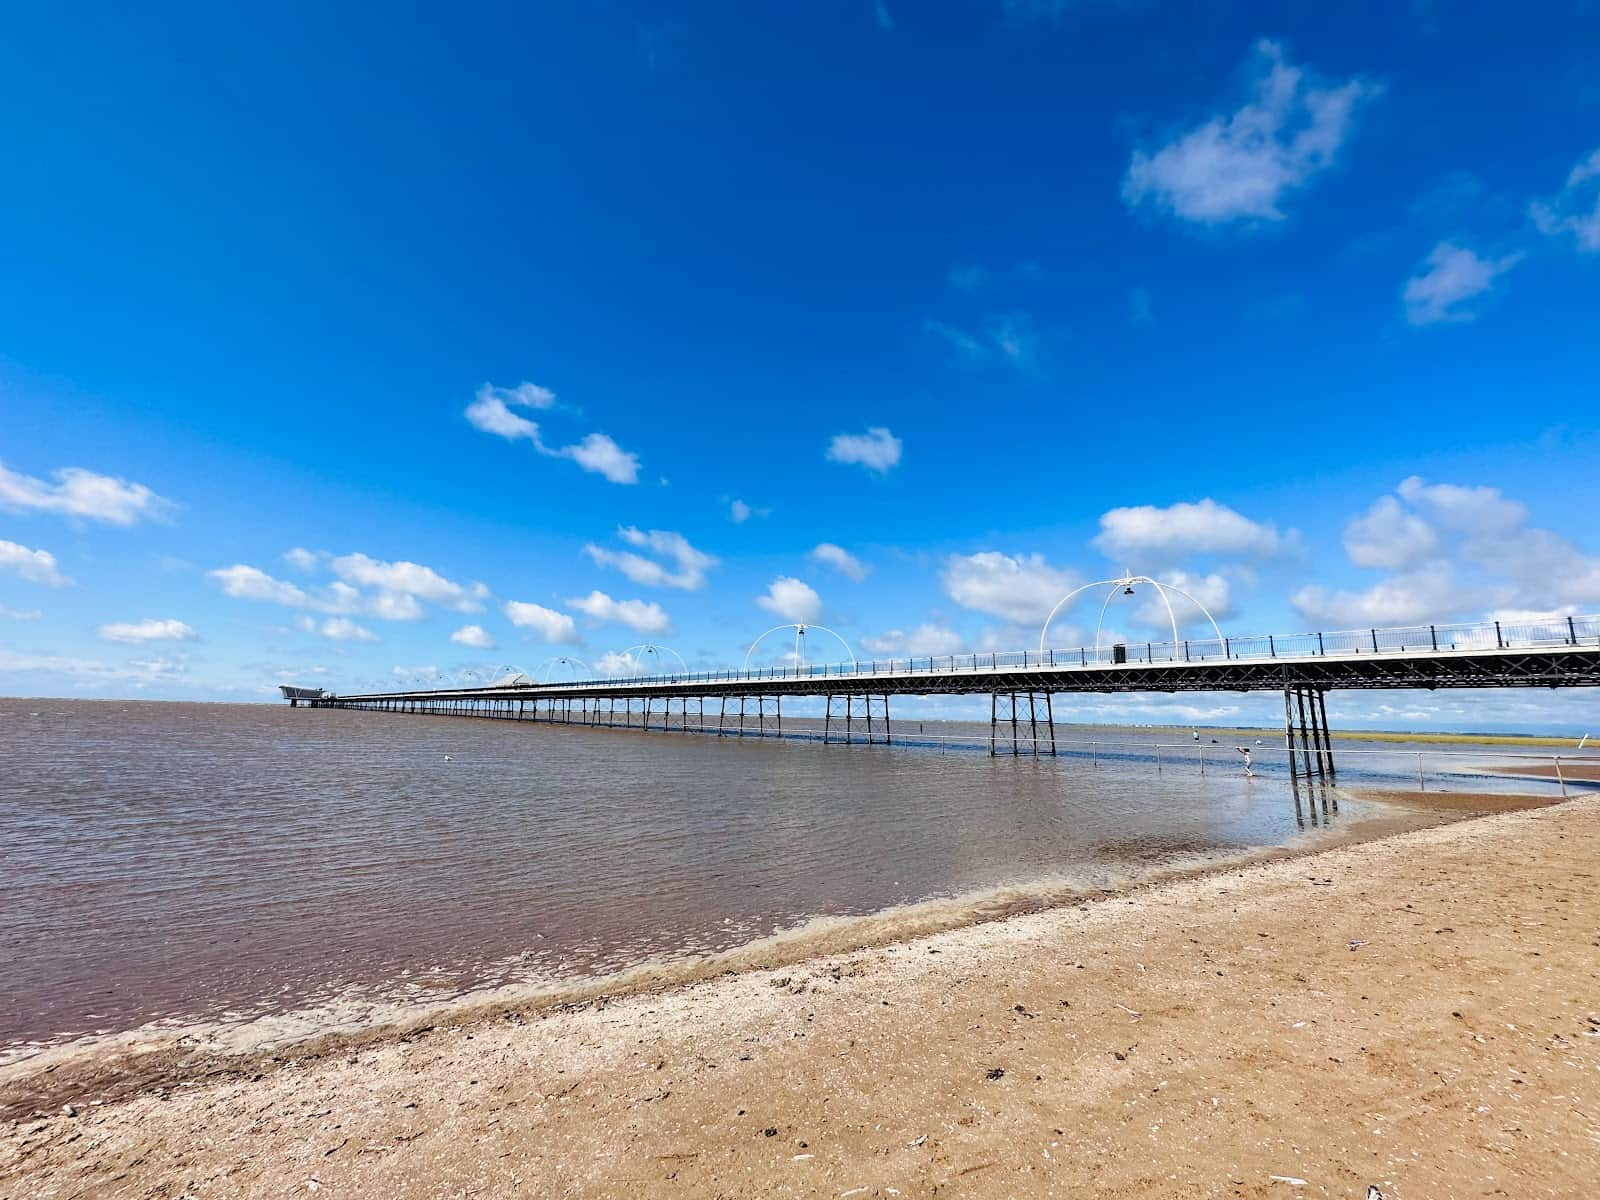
{"x": 342, "y": 349}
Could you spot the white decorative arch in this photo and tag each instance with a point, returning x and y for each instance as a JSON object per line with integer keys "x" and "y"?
{"x": 1128, "y": 582}
{"x": 564, "y": 660}
{"x": 799, "y": 633}
{"x": 656, "y": 649}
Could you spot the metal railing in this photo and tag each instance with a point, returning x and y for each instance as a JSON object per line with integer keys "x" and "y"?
{"x": 1346, "y": 643}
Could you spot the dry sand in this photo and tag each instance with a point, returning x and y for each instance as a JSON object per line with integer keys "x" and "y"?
{"x": 1420, "y": 1013}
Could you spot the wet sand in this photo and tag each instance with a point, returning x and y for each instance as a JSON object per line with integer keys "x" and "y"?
{"x": 1418, "y": 1013}
{"x": 1588, "y": 772}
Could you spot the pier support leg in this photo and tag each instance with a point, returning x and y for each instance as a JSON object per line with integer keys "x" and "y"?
{"x": 1327, "y": 735}
{"x": 1288, "y": 731}
{"x": 1305, "y": 733}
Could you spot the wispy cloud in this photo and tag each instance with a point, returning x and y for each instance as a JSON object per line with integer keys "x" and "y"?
{"x": 409, "y": 579}
{"x": 1575, "y": 209}
{"x": 688, "y": 565}
{"x": 152, "y": 630}
{"x": 1453, "y": 275}
{"x": 1241, "y": 166}
{"x": 924, "y": 639}
{"x": 877, "y": 449}
{"x": 35, "y": 566}
{"x": 1009, "y": 338}
{"x": 491, "y": 411}
{"x": 338, "y": 629}
{"x": 550, "y": 625}
{"x": 1199, "y": 527}
{"x": 644, "y": 616}
{"x": 80, "y": 493}
{"x": 395, "y": 592}
{"x": 1021, "y": 588}
{"x": 840, "y": 560}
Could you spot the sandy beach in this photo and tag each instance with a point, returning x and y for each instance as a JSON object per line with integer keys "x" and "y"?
{"x": 1420, "y": 1013}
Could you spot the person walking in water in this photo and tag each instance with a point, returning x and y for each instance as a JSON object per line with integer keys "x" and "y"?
{"x": 1245, "y": 750}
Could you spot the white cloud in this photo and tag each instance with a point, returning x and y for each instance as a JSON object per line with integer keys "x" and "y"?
{"x": 36, "y": 566}
{"x": 840, "y": 560}
{"x": 302, "y": 559}
{"x": 1022, "y": 589}
{"x": 409, "y": 579}
{"x": 475, "y": 636}
{"x": 138, "y": 672}
{"x": 1009, "y": 337}
{"x": 1453, "y": 276}
{"x": 965, "y": 344}
{"x": 392, "y": 606}
{"x": 152, "y": 630}
{"x": 1576, "y": 208}
{"x": 792, "y": 600}
{"x": 877, "y": 449}
{"x": 1212, "y": 591}
{"x": 1410, "y": 599}
{"x": 646, "y": 617}
{"x": 1484, "y": 556}
{"x": 598, "y": 453}
{"x": 614, "y": 664}
{"x": 1479, "y": 509}
{"x": 1203, "y": 527}
{"x": 924, "y": 639}
{"x": 1388, "y": 536}
{"x": 549, "y": 624}
{"x": 491, "y": 412}
{"x": 19, "y": 614}
{"x": 244, "y": 582}
{"x": 81, "y": 493}
{"x": 343, "y": 629}
{"x": 739, "y": 511}
{"x": 1242, "y": 166}
{"x": 689, "y": 566}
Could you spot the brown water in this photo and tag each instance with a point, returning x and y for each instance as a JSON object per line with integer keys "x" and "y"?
{"x": 193, "y": 863}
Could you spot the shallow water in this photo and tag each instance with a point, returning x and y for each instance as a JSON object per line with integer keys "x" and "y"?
{"x": 187, "y": 863}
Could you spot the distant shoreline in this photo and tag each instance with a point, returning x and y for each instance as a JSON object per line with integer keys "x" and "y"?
{"x": 1370, "y": 735}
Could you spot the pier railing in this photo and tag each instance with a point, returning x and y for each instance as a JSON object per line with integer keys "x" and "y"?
{"x": 1345, "y": 643}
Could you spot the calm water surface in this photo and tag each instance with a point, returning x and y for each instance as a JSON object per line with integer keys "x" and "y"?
{"x": 194, "y": 862}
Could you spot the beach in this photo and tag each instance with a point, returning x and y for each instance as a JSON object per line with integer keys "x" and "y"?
{"x": 1417, "y": 1013}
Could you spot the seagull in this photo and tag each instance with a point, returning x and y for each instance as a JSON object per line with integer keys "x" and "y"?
{"x": 447, "y": 758}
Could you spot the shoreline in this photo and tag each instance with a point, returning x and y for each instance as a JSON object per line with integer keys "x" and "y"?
{"x": 116, "y": 1065}
{"x": 908, "y": 1034}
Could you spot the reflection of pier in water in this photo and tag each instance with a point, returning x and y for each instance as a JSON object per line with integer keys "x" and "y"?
{"x": 1308, "y": 794}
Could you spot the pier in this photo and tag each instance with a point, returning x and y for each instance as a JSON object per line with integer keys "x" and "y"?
{"x": 1558, "y": 652}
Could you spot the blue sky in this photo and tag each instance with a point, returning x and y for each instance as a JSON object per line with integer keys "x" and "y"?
{"x": 587, "y": 327}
